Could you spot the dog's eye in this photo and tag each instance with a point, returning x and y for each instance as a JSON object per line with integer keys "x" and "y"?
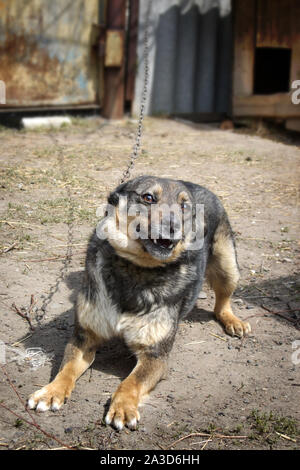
{"x": 184, "y": 205}
{"x": 148, "y": 198}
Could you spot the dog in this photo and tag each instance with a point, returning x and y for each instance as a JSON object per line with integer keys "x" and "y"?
{"x": 141, "y": 280}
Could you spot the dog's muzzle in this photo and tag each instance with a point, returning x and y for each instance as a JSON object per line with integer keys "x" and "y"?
{"x": 163, "y": 239}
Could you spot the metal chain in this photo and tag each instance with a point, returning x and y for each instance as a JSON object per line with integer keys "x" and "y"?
{"x": 68, "y": 256}
{"x": 137, "y": 145}
{"x": 70, "y": 223}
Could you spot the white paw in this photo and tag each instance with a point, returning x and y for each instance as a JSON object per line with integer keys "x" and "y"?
{"x": 50, "y": 397}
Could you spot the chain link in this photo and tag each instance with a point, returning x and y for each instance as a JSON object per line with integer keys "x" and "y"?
{"x": 137, "y": 145}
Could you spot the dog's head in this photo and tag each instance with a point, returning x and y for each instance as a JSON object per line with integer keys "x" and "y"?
{"x": 150, "y": 223}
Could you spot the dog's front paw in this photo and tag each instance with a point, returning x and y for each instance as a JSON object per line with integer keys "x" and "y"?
{"x": 52, "y": 396}
{"x": 236, "y": 327}
{"x": 123, "y": 412}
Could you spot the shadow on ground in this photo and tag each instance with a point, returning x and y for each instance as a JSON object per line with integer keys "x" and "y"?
{"x": 278, "y": 297}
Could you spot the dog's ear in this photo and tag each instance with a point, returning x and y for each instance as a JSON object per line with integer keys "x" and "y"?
{"x": 114, "y": 196}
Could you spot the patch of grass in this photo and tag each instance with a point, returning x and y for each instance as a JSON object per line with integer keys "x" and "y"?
{"x": 211, "y": 428}
{"x": 86, "y": 215}
{"x": 15, "y": 211}
{"x": 90, "y": 427}
{"x": 18, "y": 423}
{"x": 19, "y": 178}
{"x": 18, "y": 237}
{"x": 56, "y": 203}
{"x": 80, "y": 209}
{"x": 58, "y": 210}
{"x": 50, "y": 219}
{"x": 266, "y": 425}
{"x": 237, "y": 429}
{"x": 25, "y": 237}
{"x": 44, "y": 152}
{"x": 6, "y": 130}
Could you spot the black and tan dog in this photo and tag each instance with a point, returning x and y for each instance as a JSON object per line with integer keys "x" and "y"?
{"x": 139, "y": 288}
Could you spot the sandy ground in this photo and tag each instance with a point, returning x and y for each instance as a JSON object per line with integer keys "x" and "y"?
{"x": 246, "y": 390}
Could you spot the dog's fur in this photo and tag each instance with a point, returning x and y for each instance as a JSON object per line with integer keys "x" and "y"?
{"x": 140, "y": 291}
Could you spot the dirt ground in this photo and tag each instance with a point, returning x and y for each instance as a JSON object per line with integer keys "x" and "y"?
{"x": 246, "y": 390}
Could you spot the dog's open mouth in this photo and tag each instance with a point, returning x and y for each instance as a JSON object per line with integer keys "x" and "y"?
{"x": 161, "y": 248}
{"x": 164, "y": 243}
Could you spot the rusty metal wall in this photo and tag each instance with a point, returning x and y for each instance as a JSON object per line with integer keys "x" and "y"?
{"x": 48, "y": 53}
{"x": 191, "y": 53}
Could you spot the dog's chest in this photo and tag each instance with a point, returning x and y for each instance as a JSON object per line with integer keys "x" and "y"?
{"x": 129, "y": 300}
{"x": 141, "y": 290}
{"x": 106, "y": 318}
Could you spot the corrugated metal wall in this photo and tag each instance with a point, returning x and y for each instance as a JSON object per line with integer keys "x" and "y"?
{"x": 46, "y": 52}
{"x": 191, "y": 48}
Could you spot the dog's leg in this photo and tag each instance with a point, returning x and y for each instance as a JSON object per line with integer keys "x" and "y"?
{"x": 124, "y": 404}
{"x": 232, "y": 324}
{"x": 223, "y": 275}
{"x": 79, "y": 355}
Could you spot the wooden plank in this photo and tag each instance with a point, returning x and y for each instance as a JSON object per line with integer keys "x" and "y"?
{"x": 274, "y": 23}
{"x": 114, "y": 48}
{"x": 295, "y": 66}
{"x": 114, "y": 77}
{"x": 293, "y": 124}
{"x": 132, "y": 50}
{"x": 43, "y": 109}
{"x": 244, "y": 43}
{"x": 278, "y": 105}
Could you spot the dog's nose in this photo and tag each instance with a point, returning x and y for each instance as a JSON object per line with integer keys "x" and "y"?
{"x": 175, "y": 224}
{"x": 171, "y": 227}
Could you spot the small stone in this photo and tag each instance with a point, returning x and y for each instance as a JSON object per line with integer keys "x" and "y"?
{"x": 68, "y": 430}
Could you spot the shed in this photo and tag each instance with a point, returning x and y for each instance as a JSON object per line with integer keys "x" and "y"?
{"x": 212, "y": 57}
{"x": 267, "y": 59}
{"x": 207, "y": 58}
